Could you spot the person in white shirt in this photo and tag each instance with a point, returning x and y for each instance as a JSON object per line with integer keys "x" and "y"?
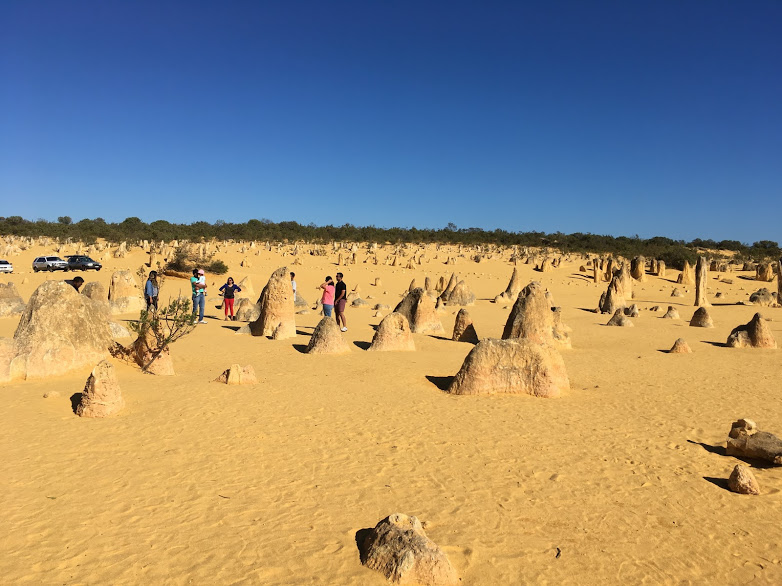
{"x": 293, "y": 284}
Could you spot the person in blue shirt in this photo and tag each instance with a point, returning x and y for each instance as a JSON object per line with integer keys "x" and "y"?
{"x": 229, "y": 290}
{"x": 151, "y": 290}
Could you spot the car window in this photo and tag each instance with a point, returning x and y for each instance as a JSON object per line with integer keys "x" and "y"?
{"x": 4, "y": 262}
{"x": 37, "y": 259}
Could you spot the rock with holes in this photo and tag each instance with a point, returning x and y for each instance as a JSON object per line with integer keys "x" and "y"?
{"x": 746, "y": 441}
{"x": 398, "y": 548}
{"x": 393, "y": 334}
{"x": 101, "y": 396}
{"x": 515, "y": 366}
{"x": 755, "y": 334}
{"x": 327, "y": 339}
{"x": 743, "y": 481}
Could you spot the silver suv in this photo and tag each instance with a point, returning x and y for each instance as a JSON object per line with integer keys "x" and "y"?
{"x": 49, "y": 263}
{"x": 6, "y": 267}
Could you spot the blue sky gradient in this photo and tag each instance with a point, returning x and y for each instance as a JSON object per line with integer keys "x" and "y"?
{"x": 623, "y": 118}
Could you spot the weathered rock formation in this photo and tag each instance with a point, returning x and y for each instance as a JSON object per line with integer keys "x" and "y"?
{"x": 672, "y": 313}
{"x": 619, "y": 319}
{"x": 680, "y": 346}
{"x": 463, "y": 328}
{"x": 764, "y": 272}
{"x": 512, "y": 290}
{"x": 701, "y": 319}
{"x": 11, "y": 303}
{"x": 59, "y": 331}
{"x": 419, "y": 309}
{"x": 686, "y": 277}
{"x": 95, "y": 291}
{"x": 615, "y": 297}
{"x": 743, "y": 481}
{"x": 701, "y": 282}
{"x": 399, "y": 548}
{"x": 755, "y": 334}
{"x": 631, "y": 311}
{"x": 238, "y": 375}
{"x": 762, "y": 297}
{"x": 746, "y": 441}
{"x": 638, "y": 268}
{"x": 101, "y": 396}
{"x": 246, "y": 310}
{"x": 145, "y": 352}
{"x": 661, "y": 268}
{"x": 517, "y": 366}
{"x": 532, "y": 318}
{"x": 461, "y": 295}
{"x": 327, "y": 339}
{"x": 393, "y": 334}
{"x": 277, "y": 309}
{"x": 125, "y": 294}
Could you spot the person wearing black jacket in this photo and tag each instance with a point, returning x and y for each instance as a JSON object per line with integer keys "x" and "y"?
{"x": 340, "y": 301}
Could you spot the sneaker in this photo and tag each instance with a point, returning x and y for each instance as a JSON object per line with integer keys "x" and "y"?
{"x": 344, "y": 329}
{"x": 203, "y": 321}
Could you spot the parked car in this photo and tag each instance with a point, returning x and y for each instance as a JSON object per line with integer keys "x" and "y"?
{"x": 6, "y": 267}
{"x": 83, "y": 263}
{"x": 49, "y": 263}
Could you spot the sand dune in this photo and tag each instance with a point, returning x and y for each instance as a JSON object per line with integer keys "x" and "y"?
{"x": 623, "y": 479}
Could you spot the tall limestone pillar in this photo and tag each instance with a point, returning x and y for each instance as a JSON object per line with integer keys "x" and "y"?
{"x": 701, "y": 282}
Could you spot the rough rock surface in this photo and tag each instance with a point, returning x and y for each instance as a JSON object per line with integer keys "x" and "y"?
{"x": 461, "y": 295}
{"x": 59, "y": 331}
{"x": 125, "y": 294}
{"x": 764, "y": 272}
{"x": 701, "y": 282}
{"x": 393, "y": 334}
{"x": 701, "y": 319}
{"x": 746, "y": 441}
{"x": 419, "y": 309}
{"x": 398, "y": 548}
{"x": 463, "y": 328}
{"x": 517, "y": 366}
{"x": 246, "y": 310}
{"x": 620, "y": 319}
{"x": 743, "y": 481}
{"x": 680, "y": 346}
{"x": 532, "y": 318}
{"x": 672, "y": 313}
{"x": 513, "y": 289}
{"x": 95, "y": 291}
{"x": 631, "y": 311}
{"x": 101, "y": 396}
{"x": 327, "y": 339}
{"x": 144, "y": 350}
{"x": 755, "y": 334}
{"x": 762, "y": 297}
{"x": 238, "y": 375}
{"x": 615, "y": 296}
{"x": 11, "y": 303}
{"x": 277, "y": 310}
{"x": 686, "y": 277}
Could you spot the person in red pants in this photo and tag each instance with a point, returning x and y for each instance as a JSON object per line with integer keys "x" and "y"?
{"x": 229, "y": 291}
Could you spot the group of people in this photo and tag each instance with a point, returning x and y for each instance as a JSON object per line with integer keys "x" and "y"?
{"x": 334, "y": 298}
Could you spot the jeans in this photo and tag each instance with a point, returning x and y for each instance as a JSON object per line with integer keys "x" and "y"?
{"x": 199, "y": 303}
{"x": 327, "y": 309}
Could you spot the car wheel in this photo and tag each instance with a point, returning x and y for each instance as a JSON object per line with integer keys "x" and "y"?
{"x": 51, "y": 269}
{"x": 97, "y": 269}
{"x": 35, "y": 269}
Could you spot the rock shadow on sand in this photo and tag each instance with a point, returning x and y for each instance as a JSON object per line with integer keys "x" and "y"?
{"x": 441, "y": 382}
{"x": 362, "y": 345}
{"x": 721, "y": 482}
{"x": 722, "y": 451}
{"x": 75, "y": 401}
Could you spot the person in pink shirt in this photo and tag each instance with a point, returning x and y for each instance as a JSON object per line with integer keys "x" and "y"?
{"x": 328, "y": 296}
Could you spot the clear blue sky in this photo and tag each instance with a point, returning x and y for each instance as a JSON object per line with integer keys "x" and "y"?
{"x": 649, "y": 118}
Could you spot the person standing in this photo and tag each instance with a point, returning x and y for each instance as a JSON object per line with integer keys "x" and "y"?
{"x": 198, "y": 285}
{"x": 340, "y": 301}
{"x": 293, "y": 286}
{"x": 151, "y": 290}
{"x": 229, "y": 290}
{"x": 327, "y": 299}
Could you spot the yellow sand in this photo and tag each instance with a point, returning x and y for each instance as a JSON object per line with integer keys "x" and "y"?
{"x": 620, "y": 481}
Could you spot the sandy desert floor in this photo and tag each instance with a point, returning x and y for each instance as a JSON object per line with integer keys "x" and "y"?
{"x": 620, "y": 481}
